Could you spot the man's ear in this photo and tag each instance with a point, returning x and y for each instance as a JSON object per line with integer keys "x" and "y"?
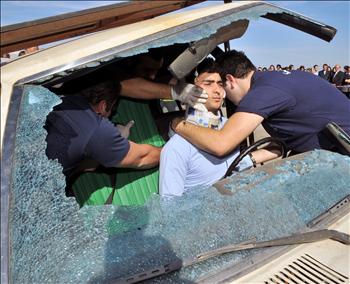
{"x": 230, "y": 81}
{"x": 101, "y": 106}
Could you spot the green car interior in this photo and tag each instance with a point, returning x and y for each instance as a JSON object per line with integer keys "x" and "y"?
{"x": 132, "y": 186}
{"x": 127, "y": 186}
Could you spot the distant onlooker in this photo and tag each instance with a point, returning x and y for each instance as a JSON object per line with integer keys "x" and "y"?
{"x": 5, "y": 58}
{"x": 325, "y": 72}
{"x": 264, "y": 69}
{"x": 272, "y": 68}
{"x": 346, "y": 80}
{"x": 278, "y": 67}
{"x": 260, "y": 68}
{"x": 291, "y": 67}
{"x": 302, "y": 68}
{"x": 31, "y": 49}
{"x": 331, "y": 73}
{"x": 315, "y": 69}
{"x": 337, "y": 78}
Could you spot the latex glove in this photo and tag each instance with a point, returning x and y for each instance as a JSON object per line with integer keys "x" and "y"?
{"x": 125, "y": 130}
{"x": 201, "y": 107}
{"x": 188, "y": 93}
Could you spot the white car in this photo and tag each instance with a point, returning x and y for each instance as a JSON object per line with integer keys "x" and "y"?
{"x": 48, "y": 237}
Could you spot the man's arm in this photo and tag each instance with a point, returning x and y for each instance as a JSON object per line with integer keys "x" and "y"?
{"x": 265, "y": 154}
{"x": 140, "y": 88}
{"x": 219, "y": 142}
{"x": 140, "y": 156}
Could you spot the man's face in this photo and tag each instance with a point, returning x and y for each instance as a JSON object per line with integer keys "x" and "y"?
{"x": 212, "y": 84}
{"x": 325, "y": 67}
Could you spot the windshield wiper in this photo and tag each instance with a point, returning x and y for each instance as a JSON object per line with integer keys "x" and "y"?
{"x": 301, "y": 238}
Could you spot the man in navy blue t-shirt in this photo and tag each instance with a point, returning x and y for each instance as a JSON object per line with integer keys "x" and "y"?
{"x": 293, "y": 106}
{"x": 81, "y": 137}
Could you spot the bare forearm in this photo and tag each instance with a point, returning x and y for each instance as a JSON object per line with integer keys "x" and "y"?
{"x": 264, "y": 155}
{"x": 140, "y": 88}
{"x": 220, "y": 142}
{"x": 209, "y": 140}
{"x": 150, "y": 157}
{"x": 141, "y": 156}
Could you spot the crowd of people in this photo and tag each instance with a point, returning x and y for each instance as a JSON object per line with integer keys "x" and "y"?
{"x": 333, "y": 75}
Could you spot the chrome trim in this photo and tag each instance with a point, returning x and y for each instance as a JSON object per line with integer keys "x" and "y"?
{"x": 9, "y": 141}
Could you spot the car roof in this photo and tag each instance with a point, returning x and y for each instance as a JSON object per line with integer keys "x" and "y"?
{"x": 46, "y": 30}
{"x": 132, "y": 39}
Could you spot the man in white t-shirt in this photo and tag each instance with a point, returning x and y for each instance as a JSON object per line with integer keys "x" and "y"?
{"x": 182, "y": 165}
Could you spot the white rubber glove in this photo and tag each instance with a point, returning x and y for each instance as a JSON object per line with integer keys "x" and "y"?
{"x": 188, "y": 93}
{"x": 125, "y": 130}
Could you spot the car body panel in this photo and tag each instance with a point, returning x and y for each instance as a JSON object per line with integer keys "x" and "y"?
{"x": 327, "y": 260}
{"x": 38, "y": 222}
{"x": 34, "y": 33}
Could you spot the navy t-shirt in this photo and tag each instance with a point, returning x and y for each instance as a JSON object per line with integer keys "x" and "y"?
{"x": 296, "y": 107}
{"x": 77, "y": 133}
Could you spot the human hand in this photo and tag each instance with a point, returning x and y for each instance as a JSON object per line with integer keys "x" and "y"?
{"x": 125, "y": 130}
{"x": 188, "y": 93}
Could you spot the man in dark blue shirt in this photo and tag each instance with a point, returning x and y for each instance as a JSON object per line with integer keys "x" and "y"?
{"x": 292, "y": 105}
{"x": 81, "y": 137}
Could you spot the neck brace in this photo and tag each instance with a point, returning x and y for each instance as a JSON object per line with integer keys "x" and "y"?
{"x": 203, "y": 117}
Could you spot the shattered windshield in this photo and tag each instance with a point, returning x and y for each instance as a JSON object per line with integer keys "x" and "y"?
{"x": 52, "y": 240}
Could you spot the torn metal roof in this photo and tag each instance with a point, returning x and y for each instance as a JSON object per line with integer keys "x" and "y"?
{"x": 64, "y": 26}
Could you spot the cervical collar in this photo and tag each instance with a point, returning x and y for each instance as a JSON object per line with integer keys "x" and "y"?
{"x": 202, "y": 117}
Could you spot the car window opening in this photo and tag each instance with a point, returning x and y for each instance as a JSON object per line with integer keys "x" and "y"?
{"x": 151, "y": 117}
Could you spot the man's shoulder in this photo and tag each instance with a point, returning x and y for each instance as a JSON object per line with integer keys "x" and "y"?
{"x": 177, "y": 139}
{"x": 177, "y": 144}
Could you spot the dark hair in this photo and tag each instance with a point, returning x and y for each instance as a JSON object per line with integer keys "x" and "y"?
{"x": 107, "y": 90}
{"x": 235, "y": 63}
{"x": 207, "y": 65}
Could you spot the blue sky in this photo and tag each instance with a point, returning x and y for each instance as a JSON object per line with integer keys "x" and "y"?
{"x": 265, "y": 42}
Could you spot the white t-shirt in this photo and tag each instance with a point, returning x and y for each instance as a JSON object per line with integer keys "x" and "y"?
{"x": 183, "y": 166}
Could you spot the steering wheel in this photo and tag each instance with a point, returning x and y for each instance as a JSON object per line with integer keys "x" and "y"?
{"x": 253, "y": 147}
